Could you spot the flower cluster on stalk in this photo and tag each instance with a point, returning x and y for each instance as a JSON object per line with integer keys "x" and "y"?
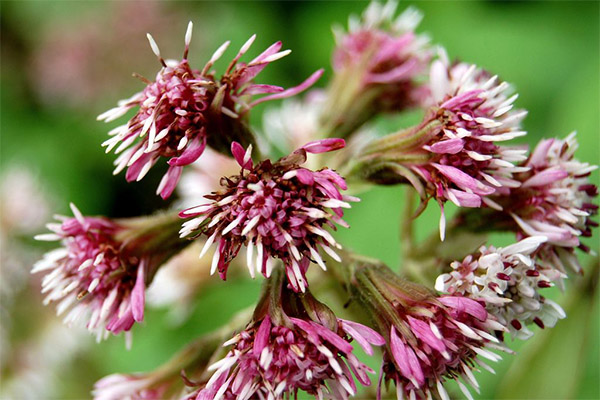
{"x": 508, "y": 280}
{"x": 184, "y": 110}
{"x": 285, "y": 212}
{"x": 293, "y": 343}
{"x": 280, "y": 209}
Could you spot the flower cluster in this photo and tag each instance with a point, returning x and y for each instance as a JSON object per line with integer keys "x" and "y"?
{"x": 555, "y": 200}
{"x": 285, "y": 212}
{"x": 429, "y": 339}
{"x": 293, "y": 343}
{"x": 508, "y": 281}
{"x": 91, "y": 276}
{"x": 280, "y": 208}
{"x": 378, "y": 64}
{"x": 101, "y": 272}
{"x": 184, "y": 109}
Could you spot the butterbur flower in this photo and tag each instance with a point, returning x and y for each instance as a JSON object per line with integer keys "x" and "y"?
{"x": 429, "y": 339}
{"x": 294, "y": 343}
{"x": 184, "y": 110}
{"x": 100, "y": 273}
{"x": 454, "y": 154}
{"x": 508, "y": 280}
{"x": 555, "y": 200}
{"x": 278, "y": 210}
{"x": 379, "y": 61}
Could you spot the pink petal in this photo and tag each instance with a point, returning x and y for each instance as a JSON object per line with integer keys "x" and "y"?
{"x": 262, "y": 89}
{"x": 239, "y": 153}
{"x": 291, "y": 91}
{"x": 462, "y": 98}
{"x": 400, "y": 73}
{"x": 191, "y": 153}
{"x": 424, "y": 332}
{"x": 262, "y": 336}
{"x": 464, "y": 199}
{"x": 399, "y": 353}
{"x": 134, "y": 170}
{"x": 463, "y": 180}
{"x": 545, "y": 177}
{"x": 170, "y": 180}
{"x": 305, "y": 176}
{"x": 463, "y": 304}
{"x": 363, "y": 335}
{"x": 325, "y": 145}
{"x": 538, "y": 157}
{"x": 451, "y": 146}
{"x": 138, "y": 294}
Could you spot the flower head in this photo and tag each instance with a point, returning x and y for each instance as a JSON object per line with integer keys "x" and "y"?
{"x": 453, "y": 154}
{"x": 555, "y": 200}
{"x": 387, "y": 52}
{"x": 473, "y": 111}
{"x": 101, "y": 272}
{"x": 295, "y": 345}
{"x": 508, "y": 280}
{"x": 378, "y": 64}
{"x": 184, "y": 109}
{"x": 279, "y": 209}
{"x": 429, "y": 339}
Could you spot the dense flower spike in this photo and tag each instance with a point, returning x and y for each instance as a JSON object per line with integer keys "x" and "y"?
{"x": 378, "y": 64}
{"x": 429, "y": 339}
{"x": 474, "y": 112}
{"x": 186, "y": 109}
{"x": 507, "y": 280}
{"x": 101, "y": 272}
{"x": 297, "y": 344}
{"x": 453, "y": 155}
{"x": 279, "y": 209}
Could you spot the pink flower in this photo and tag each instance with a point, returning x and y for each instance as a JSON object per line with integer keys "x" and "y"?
{"x": 508, "y": 280}
{"x": 555, "y": 200}
{"x": 101, "y": 272}
{"x": 279, "y": 209}
{"x": 295, "y": 343}
{"x": 385, "y": 54}
{"x": 186, "y": 109}
{"x": 471, "y": 113}
{"x": 429, "y": 339}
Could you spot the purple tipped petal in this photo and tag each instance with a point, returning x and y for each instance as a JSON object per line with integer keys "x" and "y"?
{"x": 239, "y": 153}
{"x": 291, "y": 91}
{"x": 191, "y": 153}
{"x": 324, "y": 145}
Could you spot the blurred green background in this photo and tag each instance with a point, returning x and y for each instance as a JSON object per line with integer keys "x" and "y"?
{"x": 65, "y": 62}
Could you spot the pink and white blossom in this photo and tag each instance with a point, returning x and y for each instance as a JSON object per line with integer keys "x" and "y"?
{"x": 556, "y": 200}
{"x": 184, "y": 110}
{"x": 430, "y": 339}
{"x": 508, "y": 280}
{"x": 99, "y": 275}
{"x": 274, "y": 361}
{"x": 471, "y": 114}
{"x": 384, "y": 54}
{"x": 277, "y": 210}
